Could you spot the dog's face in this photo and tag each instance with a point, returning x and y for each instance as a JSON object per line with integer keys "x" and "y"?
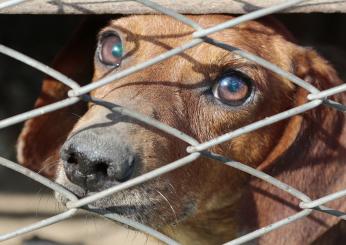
{"x": 204, "y": 92}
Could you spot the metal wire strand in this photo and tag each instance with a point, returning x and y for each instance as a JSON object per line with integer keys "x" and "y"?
{"x": 284, "y": 187}
{"x": 10, "y": 3}
{"x": 262, "y": 62}
{"x": 328, "y": 92}
{"x": 260, "y": 232}
{"x": 142, "y": 118}
{"x": 38, "y": 178}
{"x": 171, "y": 13}
{"x": 37, "y": 112}
{"x": 43, "y": 223}
{"x": 38, "y": 66}
{"x": 246, "y": 17}
{"x": 143, "y": 228}
{"x": 254, "y": 126}
{"x": 135, "y": 68}
{"x": 259, "y": 174}
{"x": 195, "y": 148}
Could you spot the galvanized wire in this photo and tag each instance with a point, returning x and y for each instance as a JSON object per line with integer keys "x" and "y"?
{"x": 253, "y": 126}
{"x": 328, "y": 92}
{"x": 136, "y": 68}
{"x": 37, "y": 112}
{"x": 246, "y": 17}
{"x": 260, "y": 232}
{"x": 134, "y": 224}
{"x": 38, "y": 66}
{"x": 195, "y": 148}
{"x": 10, "y": 3}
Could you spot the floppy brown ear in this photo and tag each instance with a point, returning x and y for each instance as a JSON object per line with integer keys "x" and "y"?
{"x": 312, "y": 68}
{"x": 40, "y": 140}
{"x": 310, "y": 157}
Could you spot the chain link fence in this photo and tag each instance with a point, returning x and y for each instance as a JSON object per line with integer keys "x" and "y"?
{"x": 196, "y": 149}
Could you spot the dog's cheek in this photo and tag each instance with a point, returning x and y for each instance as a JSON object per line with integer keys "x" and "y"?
{"x": 254, "y": 147}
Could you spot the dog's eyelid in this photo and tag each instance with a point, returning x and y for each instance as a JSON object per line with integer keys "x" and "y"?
{"x": 249, "y": 70}
{"x": 234, "y": 62}
{"x": 110, "y": 31}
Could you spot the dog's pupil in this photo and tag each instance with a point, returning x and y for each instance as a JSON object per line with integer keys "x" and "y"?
{"x": 117, "y": 50}
{"x": 231, "y": 83}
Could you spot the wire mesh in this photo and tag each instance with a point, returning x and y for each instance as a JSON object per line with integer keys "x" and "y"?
{"x": 195, "y": 148}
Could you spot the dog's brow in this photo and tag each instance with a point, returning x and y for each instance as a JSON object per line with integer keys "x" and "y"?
{"x": 108, "y": 29}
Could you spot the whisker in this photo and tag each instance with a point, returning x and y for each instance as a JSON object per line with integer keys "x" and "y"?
{"x": 146, "y": 240}
{"x": 173, "y": 189}
{"x": 79, "y": 116}
{"x": 48, "y": 165}
{"x": 176, "y": 220}
{"x": 38, "y": 193}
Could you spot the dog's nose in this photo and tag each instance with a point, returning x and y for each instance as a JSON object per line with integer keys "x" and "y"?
{"x": 96, "y": 159}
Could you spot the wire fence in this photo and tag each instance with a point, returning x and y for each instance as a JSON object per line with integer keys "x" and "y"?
{"x": 195, "y": 149}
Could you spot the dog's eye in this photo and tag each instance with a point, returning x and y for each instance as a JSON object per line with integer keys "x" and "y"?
{"x": 111, "y": 50}
{"x": 233, "y": 88}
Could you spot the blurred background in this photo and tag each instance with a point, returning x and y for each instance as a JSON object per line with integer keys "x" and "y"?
{"x": 23, "y": 201}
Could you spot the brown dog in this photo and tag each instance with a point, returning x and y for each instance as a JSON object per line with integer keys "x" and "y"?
{"x": 204, "y": 92}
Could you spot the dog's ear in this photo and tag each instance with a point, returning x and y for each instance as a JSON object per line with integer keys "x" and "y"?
{"x": 41, "y": 137}
{"x": 311, "y": 67}
{"x": 309, "y": 157}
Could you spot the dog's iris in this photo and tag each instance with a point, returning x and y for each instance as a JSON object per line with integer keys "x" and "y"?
{"x": 232, "y": 88}
{"x": 111, "y": 50}
{"x": 231, "y": 84}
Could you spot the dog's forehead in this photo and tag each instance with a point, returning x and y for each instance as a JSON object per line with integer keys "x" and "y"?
{"x": 146, "y": 36}
{"x": 161, "y": 25}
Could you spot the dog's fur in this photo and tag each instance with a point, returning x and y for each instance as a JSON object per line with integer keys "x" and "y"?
{"x": 205, "y": 202}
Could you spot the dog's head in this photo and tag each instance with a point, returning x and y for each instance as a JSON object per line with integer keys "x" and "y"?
{"x": 204, "y": 92}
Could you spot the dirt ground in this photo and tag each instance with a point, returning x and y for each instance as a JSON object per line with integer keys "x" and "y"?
{"x": 18, "y": 210}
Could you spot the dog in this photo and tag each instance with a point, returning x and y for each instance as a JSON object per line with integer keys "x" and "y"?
{"x": 204, "y": 92}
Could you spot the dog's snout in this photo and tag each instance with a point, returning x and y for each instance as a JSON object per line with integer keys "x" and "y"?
{"x": 95, "y": 160}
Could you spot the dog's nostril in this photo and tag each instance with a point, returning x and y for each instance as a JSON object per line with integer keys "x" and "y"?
{"x": 101, "y": 168}
{"x": 95, "y": 161}
{"x": 72, "y": 159}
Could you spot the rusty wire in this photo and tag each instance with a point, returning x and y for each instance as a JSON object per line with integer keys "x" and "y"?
{"x": 195, "y": 148}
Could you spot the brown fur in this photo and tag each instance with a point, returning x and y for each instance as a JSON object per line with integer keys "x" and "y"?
{"x": 205, "y": 202}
